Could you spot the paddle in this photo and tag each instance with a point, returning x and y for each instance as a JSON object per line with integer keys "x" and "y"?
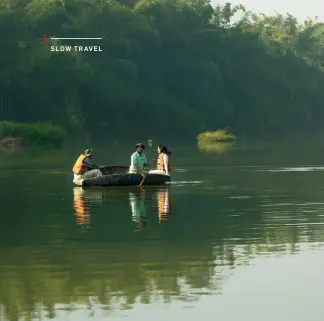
{"x": 144, "y": 177}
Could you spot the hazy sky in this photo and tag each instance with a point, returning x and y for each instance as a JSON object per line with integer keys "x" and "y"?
{"x": 301, "y": 9}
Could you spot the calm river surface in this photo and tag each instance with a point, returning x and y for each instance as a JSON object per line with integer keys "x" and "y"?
{"x": 237, "y": 236}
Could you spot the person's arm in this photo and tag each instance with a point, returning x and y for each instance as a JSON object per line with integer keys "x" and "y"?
{"x": 88, "y": 164}
{"x": 133, "y": 163}
{"x": 166, "y": 163}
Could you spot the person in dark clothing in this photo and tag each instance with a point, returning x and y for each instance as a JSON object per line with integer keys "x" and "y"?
{"x": 85, "y": 168}
{"x": 88, "y": 162}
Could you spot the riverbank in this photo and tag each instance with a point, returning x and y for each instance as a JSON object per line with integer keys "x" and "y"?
{"x": 19, "y": 136}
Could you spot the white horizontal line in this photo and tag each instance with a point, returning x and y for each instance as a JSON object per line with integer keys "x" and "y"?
{"x": 74, "y": 38}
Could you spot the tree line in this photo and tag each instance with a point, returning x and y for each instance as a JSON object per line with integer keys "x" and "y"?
{"x": 168, "y": 67}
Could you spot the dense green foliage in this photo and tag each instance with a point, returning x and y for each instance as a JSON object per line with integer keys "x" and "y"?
{"x": 175, "y": 64}
{"x": 40, "y": 134}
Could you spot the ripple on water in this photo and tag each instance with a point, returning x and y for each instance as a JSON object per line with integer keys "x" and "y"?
{"x": 243, "y": 197}
{"x": 180, "y": 170}
{"x": 186, "y": 182}
{"x": 294, "y": 169}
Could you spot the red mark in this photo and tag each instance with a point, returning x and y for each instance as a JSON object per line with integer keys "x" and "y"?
{"x": 45, "y": 38}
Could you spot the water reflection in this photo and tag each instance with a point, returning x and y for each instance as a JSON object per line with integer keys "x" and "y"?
{"x": 139, "y": 208}
{"x": 219, "y": 147}
{"x": 160, "y": 198}
{"x": 164, "y": 204}
{"x": 138, "y": 202}
{"x": 79, "y": 204}
{"x": 83, "y": 200}
{"x": 47, "y": 267}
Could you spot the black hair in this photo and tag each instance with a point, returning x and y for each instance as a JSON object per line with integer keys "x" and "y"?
{"x": 164, "y": 149}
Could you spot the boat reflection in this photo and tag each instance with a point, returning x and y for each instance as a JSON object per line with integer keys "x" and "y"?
{"x": 164, "y": 204}
{"x": 82, "y": 202}
{"x": 139, "y": 205}
{"x": 141, "y": 202}
{"x": 79, "y": 205}
{"x": 138, "y": 208}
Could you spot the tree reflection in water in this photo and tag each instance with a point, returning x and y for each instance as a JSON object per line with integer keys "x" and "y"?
{"x": 111, "y": 267}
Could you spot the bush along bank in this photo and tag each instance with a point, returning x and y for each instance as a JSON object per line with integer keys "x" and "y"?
{"x": 18, "y": 135}
{"x": 218, "y": 136}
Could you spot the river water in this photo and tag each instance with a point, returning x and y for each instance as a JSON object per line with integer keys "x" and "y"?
{"x": 237, "y": 236}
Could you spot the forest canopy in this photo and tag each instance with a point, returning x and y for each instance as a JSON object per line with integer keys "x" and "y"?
{"x": 167, "y": 67}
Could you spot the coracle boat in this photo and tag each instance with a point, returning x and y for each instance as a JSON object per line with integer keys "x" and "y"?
{"x": 114, "y": 169}
{"x": 117, "y": 175}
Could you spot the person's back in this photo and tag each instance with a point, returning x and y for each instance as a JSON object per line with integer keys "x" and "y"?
{"x": 78, "y": 168}
{"x": 89, "y": 164}
{"x": 85, "y": 168}
{"x": 170, "y": 162}
{"x": 164, "y": 160}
